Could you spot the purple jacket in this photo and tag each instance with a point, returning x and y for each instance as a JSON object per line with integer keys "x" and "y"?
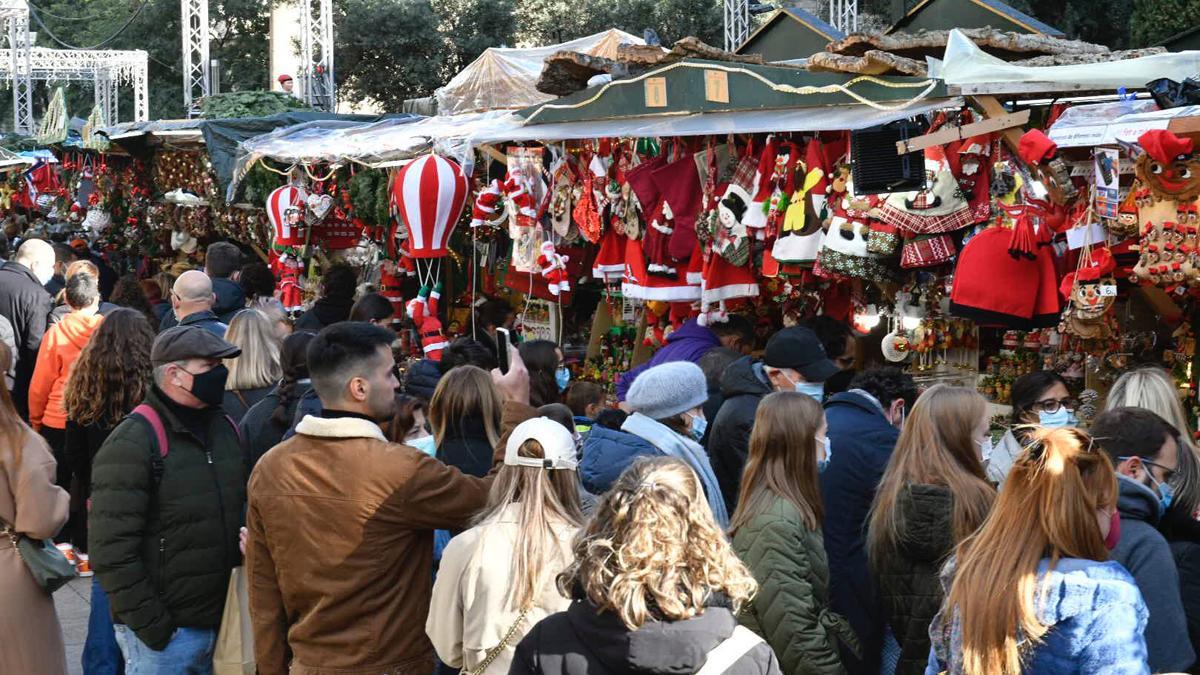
{"x": 688, "y": 343}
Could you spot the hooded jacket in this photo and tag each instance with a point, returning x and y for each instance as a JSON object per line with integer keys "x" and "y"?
{"x": 607, "y": 453}
{"x": 60, "y": 348}
{"x": 339, "y": 558}
{"x": 689, "y": 343}
{"x": 584, "y": 641}
{"x": 231, "y": 299}
{"x": 1145, "y": 553}
{"x": 863, "y": 441}
{"x": 908, "y": 576}
{"x": 744, "y": 384}
{"x": 1096, "y": 616}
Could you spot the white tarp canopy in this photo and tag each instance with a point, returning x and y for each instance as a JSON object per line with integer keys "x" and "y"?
{"x": 505, "y": 78}
{"x": 391, "y": 142}
{"x": 965, "y": 65}
{"x": 1110, "y": 123}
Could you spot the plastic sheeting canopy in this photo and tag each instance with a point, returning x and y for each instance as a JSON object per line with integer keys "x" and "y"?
{"x": 506, "y": 78}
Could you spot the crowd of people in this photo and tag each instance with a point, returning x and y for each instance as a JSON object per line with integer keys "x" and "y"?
{"x": 748, "y": 508}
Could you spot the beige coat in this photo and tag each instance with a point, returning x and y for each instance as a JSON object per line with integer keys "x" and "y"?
{"x": 470, "y": 613}
{"x": 30, "y": 636}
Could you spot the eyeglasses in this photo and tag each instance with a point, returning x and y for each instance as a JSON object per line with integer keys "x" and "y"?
{"x": 1168, "y": 473}
{"x": 1052, "y": 405}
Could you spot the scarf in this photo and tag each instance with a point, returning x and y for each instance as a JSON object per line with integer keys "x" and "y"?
{"x": 662, "y": 437}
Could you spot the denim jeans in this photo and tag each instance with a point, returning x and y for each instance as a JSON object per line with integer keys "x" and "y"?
{"x": 101, "y": 654}
{"x": 190, "y": 652}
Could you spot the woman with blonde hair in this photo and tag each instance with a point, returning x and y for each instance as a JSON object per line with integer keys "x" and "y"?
{"x": 655, "y": 588}
{"x": 776, "y": 531}
{"x": 1031, "y": 591}
{"x": 496, "y": 580}
{"x": 256, "y": 372}
{"x": 934, "y": 494}
{"x": 465, "y": 416}
{"x": 1151, "y": 388}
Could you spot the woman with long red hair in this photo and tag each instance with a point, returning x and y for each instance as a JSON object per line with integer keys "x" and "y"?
{"x": 1033, "y": 591}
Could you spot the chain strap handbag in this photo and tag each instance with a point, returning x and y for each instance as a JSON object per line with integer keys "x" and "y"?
{"x": 495, "y": 651}
{"x": 49, "y": 567}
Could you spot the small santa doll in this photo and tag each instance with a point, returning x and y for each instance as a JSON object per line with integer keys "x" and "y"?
{"x": 554, "y": 269}
{"x": 423, "y": 311}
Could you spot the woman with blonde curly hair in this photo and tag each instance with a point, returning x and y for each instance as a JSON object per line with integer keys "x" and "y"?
{"x": 655, "y": 588}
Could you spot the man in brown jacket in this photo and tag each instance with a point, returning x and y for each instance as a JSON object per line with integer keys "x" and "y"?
{"x": 339, "y": 553}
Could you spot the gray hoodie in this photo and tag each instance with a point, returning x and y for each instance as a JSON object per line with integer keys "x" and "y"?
{"x": 1145, "y": 553}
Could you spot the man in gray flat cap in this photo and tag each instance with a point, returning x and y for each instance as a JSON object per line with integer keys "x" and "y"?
{"x": 168, "y": 489}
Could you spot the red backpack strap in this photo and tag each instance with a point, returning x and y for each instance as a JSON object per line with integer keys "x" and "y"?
{"x": 150, "y": 415}
{"x": 236, "y": 431}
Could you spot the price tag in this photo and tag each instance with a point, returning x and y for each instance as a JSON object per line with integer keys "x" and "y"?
{"x": 716, "y": 86}
{"x": 1108, "y": 290}
{"x": 656, "y": 92}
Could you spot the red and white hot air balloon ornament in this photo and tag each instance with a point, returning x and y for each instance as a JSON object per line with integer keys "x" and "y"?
{"x": 428, "y": 196}
{"x": 285, "y": 210}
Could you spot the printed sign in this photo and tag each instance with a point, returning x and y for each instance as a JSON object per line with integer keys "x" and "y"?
{"x": 716, "y": 86}
{"x": 656, "y": 92}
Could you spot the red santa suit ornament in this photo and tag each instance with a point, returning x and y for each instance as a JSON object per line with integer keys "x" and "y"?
{"x": 554, "y": 269}
{"x": 423, "y": 311}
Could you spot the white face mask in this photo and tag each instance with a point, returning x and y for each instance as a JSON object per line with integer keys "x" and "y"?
{"x": 985, "y": 448}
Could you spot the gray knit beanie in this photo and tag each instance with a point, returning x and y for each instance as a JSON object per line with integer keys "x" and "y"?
{"x": 668, "y": 389}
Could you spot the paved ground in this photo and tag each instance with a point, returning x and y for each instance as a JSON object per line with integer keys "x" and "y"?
{"x": 73, "y": 604}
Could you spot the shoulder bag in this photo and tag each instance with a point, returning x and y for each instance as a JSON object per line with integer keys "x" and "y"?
{"x": 495, "y": 651}
{"x": 49, "y": 567}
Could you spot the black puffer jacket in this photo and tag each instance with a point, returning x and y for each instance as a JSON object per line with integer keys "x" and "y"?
{"x": 1183, "y": 533}
{"x": 163, "y": 553}
{"x": 581, "y": 641}
{"x": 744, "y": 385}
{"x": 908, "y": 577}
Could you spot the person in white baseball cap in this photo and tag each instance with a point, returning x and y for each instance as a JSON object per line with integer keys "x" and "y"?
{"x": 497, "y": 579}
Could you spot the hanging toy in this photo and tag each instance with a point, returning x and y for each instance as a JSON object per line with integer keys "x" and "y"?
{"x": 554, "y": 269}
{"x": 428, "y": 195}
{"x": 286, "y": 207}
{"x": 489, "y": 208}
{"x": 423, "y": 312}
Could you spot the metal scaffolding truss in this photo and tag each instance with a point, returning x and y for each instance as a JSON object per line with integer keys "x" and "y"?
{"x": 316, "y": 54}
{"x": 15, "y": 15}
{"x": 737, "y": 23}
{"x": 195, "y": 54}
{"x": 106, "y": 69}
{"x": 843, "y": 15}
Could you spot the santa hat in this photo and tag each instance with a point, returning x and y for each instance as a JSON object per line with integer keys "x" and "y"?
{"x": 1036, "y": 147}
{"x": 488, "y": 202}
{"x": 1164, "y": 146}
{"x": 992, "y": 287}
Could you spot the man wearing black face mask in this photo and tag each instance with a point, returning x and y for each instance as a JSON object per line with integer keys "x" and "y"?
{"x": 168, "y": 488}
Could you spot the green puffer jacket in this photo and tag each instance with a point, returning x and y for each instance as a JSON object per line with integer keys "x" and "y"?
{"x": 791, "y": 610}
{"x": 164, "y": 556}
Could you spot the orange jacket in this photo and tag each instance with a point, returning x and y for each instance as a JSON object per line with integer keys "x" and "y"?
{"x": 60, "y": 347}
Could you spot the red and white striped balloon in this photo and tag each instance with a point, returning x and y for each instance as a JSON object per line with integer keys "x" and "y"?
{"x": 428, "y": 195}
{"x": 278, "y": 202}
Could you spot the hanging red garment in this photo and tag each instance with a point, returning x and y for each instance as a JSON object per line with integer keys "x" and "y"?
{"x": 679, "y": 184}
{"x": 639, "y": 283}
{"x": 610, "y": 259}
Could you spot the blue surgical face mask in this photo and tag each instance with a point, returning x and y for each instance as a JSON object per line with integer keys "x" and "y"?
{"x": 699, "y": 426}
{"x": 1064, "y": 417}
{"x": 823, "y": 463}
{"x": 813, "y": 389}
{"x": 562, "y": 376}
{"x": 425, "y": 444}
{"x": 1166, "y": 491}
